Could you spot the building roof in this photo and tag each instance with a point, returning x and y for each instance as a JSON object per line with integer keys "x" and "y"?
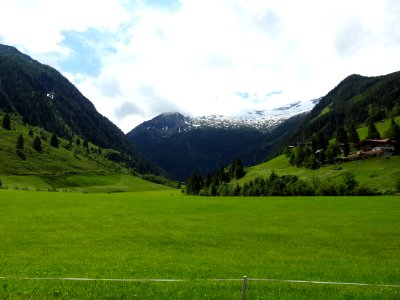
{"x": 374, "y": 142}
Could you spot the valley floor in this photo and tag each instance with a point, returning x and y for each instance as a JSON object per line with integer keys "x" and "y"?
{"x": 86, "y": 183}
{"x": 167, "y": 235}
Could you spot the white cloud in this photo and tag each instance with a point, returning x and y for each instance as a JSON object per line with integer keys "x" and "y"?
{"x": 36, "y": 25}
{"x": 199, "y": 56}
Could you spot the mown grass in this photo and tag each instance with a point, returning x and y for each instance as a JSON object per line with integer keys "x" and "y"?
{"x": 165, "y": 234}
{"x": 89, "y": 183}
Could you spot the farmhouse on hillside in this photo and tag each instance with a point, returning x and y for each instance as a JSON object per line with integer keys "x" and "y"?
{"x": 373, "y": 148}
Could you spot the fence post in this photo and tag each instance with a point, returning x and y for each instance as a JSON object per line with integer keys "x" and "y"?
{"x": 244, "y": 287}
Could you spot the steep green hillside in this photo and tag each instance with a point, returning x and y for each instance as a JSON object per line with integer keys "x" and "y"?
{"x": 67, "y": 158}
{"x": 72, "y": 166}
{"x": 356, "y": 100}
{"x": 382, "y": 174}
{"x": 42, "y": 97}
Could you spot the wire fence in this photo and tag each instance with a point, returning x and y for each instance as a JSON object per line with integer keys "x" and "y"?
{"x": 244, "y": 280}
{"x": 199, "y": 280}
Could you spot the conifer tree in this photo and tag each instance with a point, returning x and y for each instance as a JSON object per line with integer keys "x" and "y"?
{"x": 238, "y": 170}
{"x": 222, "y": 175}
{"x": 37, "y": 144}
{"x": 393, "y": 132}
{"x": 213, "y": 190}
{"x": 54, "y": 141}
{"x": 373, "y": 132}
{"x": 352, "y": 134}
{"x": 341, "y": 135}
{"x": 299, "y": 156}
{"x": 20, "y": 147}
{"x": 322, "y": 141}
{"x": 194, "y": 184}
{"x": 7, "y": 122}
{"x": 20, "y": 142}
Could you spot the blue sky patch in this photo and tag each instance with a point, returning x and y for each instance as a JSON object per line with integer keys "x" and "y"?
{"x": 275, "y": 93}
{"x": 172, "y": 4}
{"x": 164, "y": 4}
{"x": 244, "y": 95}
{"x": 86, "y": 51}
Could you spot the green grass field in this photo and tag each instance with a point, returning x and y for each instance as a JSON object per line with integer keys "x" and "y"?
{"x": 167, "y": 235}
{"x": 95, "y": 183}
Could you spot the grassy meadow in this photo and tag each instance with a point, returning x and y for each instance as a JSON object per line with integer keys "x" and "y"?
{"x": 103, "y": 223}
{"x": 381, "y": 174}
{"x": 93, "y": 183}
{"x": 67, "y": 158}
{"x": 167, "y": 235}
{"x": 382, "y": 127}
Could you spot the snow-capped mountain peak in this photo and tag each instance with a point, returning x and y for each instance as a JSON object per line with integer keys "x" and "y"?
{"x": 264, "y": 120}
{"x": 168, "y": 124}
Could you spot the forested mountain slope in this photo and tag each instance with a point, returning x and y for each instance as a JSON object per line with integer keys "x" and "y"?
{"x": 357, "y": 100}
{"x": 42, "y": 97}
{"x": 168, "y": 141}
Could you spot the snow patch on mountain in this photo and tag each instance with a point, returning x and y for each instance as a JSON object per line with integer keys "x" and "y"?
{"x": 264, "y": 120}
{"x": 168, "y": 124}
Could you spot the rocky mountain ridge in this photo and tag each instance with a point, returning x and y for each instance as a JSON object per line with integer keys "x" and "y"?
{"x": 264, "y": 120}
{"x": 167, "y": 124}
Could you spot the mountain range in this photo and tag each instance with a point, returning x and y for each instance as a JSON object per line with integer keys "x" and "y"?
{"x": 263, "y": 120}
{"x": 40, "y": 97}
{"x": 182, "y": 144}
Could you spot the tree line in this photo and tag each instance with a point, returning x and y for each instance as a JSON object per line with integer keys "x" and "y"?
{"x": 285, "y": 185}
{"x": 212, "y": 182}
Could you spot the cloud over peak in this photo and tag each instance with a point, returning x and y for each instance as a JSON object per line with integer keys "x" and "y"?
{"x": 135, "y": 59}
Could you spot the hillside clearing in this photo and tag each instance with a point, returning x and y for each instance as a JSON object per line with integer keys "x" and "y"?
{"x": 381, "y": 174}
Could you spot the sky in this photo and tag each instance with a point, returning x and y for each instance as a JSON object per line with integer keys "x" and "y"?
{"x": 135, "y": 59}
